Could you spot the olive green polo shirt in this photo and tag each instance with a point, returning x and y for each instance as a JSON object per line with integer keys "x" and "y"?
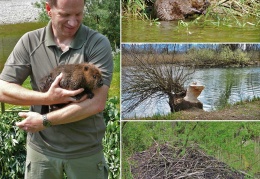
{"x": 35, "y": 55}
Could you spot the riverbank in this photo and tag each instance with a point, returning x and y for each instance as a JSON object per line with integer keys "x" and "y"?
{"x": 198, "y": 57}
{"x": 17, "y": 11}
{"x": 248, "y": 110}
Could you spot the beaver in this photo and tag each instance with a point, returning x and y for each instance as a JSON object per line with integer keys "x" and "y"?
{"x": 75, "y": 76}
{"x": 169, "y": 10}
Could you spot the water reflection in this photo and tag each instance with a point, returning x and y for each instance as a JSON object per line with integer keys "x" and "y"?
{"x": 143, "y": 31}
{"x": 222, "y": 86}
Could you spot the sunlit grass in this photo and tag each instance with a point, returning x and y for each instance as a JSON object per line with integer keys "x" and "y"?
{"x": 19, "y": 29}
{"x": 115, "y": 85}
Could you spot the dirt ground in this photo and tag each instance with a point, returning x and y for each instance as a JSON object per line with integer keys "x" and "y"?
{"x": 245, "y": 111}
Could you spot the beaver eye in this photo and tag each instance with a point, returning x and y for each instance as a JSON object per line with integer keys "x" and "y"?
{"x": 94, "y": 76}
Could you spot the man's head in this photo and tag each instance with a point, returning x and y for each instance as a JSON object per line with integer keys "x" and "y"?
{"x": 54, "y": 2}
{"x": 66, "y": 17}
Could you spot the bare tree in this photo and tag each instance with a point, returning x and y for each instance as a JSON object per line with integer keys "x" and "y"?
{"x": 153, "y": 74}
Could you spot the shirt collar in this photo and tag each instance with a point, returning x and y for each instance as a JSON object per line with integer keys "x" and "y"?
{"x": 80, "y": 38}
{"x": 76, "y": 43}
{"x": 49, "y": 36}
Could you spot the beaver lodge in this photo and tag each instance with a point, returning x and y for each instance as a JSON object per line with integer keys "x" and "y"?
{"x": 170, "y": 162}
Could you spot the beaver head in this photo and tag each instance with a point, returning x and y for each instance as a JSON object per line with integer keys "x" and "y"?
{"x": 92, "y": 75}
{"x": 179, "y": 9}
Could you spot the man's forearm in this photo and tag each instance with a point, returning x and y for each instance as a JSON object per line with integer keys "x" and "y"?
{"x": 33, "y": 122}
{"x": 78, "y": 111}
{"x": 15, "y": 94}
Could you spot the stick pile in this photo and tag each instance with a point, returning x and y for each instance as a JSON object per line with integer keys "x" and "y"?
{"x": 237, "y": 7}
{"x": 167, "y": 162}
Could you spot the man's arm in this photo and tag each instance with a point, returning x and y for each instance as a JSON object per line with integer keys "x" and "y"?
{"x": 70, "y": 113}
{"x": 15, "y": 94}
{"x": 78, "y": 111}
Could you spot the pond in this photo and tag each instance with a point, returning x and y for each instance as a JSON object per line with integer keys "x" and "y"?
{"x": 134, "y": 30}
{"x": 222, "y": 86}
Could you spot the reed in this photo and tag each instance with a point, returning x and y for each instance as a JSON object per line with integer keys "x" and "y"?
{"x": 230, "y": 13}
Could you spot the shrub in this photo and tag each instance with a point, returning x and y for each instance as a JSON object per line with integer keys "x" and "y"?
{"x": 12, "y": 147}
{"x": 238, "y": 56}
{"x": 241, "y": 57}
{"x": 226, "y": 55}
{"x": 13, "y": 151}
{"x": 111, "y": 141}
{"x": 201, "y": 56}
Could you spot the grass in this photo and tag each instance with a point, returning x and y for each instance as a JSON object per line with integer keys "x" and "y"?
{"x": 19, "y": 29}
{"x": 232, "y": 143}
{"x": 115, "y": 84}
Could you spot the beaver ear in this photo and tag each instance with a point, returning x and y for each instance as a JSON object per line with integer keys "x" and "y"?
{"x": 86, "y": 68}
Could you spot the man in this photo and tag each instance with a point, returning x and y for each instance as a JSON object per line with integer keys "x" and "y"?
{"x": 68, "y": 139}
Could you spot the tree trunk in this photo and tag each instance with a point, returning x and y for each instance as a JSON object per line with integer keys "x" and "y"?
{"x": 174, "y": 100}
{"x": 171, "y": 102}
{"x": 186, "y": 99}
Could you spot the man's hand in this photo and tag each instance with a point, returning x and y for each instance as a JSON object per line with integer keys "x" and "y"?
{"x": 32, "y": 122}
{"x": 58, "y": 95}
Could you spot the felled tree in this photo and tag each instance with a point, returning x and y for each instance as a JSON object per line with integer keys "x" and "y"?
{"x": 150, "y": 72}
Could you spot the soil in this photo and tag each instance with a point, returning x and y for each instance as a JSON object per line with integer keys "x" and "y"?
{"x": 171, "y": 162}
{"x": 243, "y": 111}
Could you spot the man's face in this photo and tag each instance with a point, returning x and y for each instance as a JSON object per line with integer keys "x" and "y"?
{"x": 66, "y": 17}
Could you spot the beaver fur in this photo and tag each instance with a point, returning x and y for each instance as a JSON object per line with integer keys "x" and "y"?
{"x": 169, "y": 10}
{"x": 75, "y": 76}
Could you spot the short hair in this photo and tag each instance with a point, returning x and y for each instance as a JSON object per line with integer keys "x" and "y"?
{"x": 54, "y": 2}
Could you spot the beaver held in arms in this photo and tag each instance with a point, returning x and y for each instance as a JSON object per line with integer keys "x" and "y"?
{"x": 75, "y": 76}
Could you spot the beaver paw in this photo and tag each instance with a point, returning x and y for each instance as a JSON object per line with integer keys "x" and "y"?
{"x": 90, "y": 95}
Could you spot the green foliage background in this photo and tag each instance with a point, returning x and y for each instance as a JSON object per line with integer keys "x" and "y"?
{"x": 235, "y": 143}
{"x": 12, "y": 147}
{"x": 111, "y": 141}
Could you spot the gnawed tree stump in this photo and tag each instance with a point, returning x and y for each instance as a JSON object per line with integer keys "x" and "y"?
{"x": 190, "y": 100}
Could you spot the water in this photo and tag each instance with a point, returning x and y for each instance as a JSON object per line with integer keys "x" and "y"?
{"x": 222, "y": 86}
{"x": 142, "y": 31}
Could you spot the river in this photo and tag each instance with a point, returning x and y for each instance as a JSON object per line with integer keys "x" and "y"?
{"x": 222, "y": 86}
{"x": 134, "y": 30}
